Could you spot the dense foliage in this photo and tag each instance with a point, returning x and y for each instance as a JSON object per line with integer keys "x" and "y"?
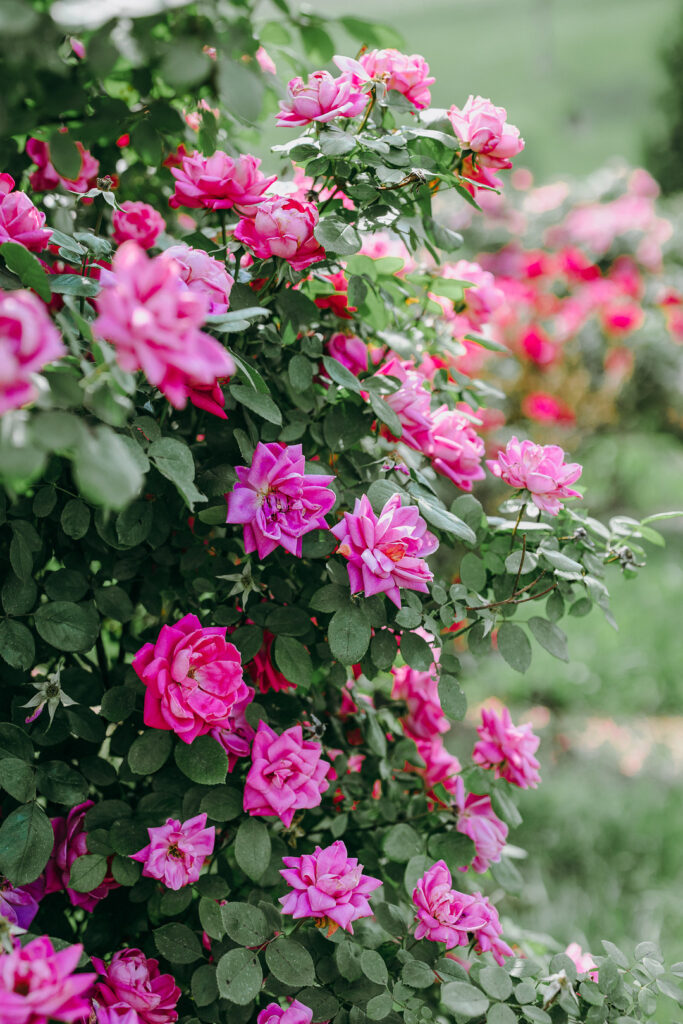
{"x": 234, "y": 431}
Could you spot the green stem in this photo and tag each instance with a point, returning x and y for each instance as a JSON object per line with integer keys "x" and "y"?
{"x": 368, "y": 111}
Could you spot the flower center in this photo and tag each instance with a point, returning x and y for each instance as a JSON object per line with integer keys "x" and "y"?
{"x": 173, "y": 851}
{"x": 395, "y": 551}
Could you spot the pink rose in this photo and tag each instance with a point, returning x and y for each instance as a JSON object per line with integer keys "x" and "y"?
{"x": 322, "y": 98}
{"x": 411, "y": 402}
{"x": 483, "y": 296}
{"x": 262, "y": 670}
{"x": 47, "y": 178}
{"x": 176, "y": 851}
{"x": 153, "y": 321}
{"x": 441, "y": 767}
{"x": 202, "y": 273}
{"x": 617, "y": 318}
{"x": 283, "y": 227}
{"x": 28, "y": 341}
{"x": 482, "y": 128}
{"x": 443, "y": 913}
{"x": 132, "y": 979}
{"x": 235, "y": 737}
{"x": 420, "y": 691}
{"x": 545, "y": 408}
{"x": 276, "y": 501}
{"x": 454, "y": 447}
{"x": 287, "y": 774}
{"x": 349, "y": 350}
{"x": 138, "y": 221}
{"x": 193, "y": 678}
{"x": 539, "y": 469}
{"x": 20, "y": 220}
{"x": 117, "y": 1013}
{"x": 295, "y": 1013}
{"x": 489, "y": 936}
{"x": 220, "y": 183}
{"x": 71, "y": 842}
{"x": 406, "y": 74}
{"x": 38, "y": 985}
{"x": 18, "y": 906}
{"x": 537, "y": 346}
{"x": 328, "y": 884}
{"x": 384, "y": 553}
{"x": 508, "y": 749}
{"x": 478, "y": 821}
{"x": 265, "y": 61}
{"x": 583, "y": 962}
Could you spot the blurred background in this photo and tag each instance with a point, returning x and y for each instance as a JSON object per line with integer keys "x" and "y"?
{"x": 591, "y": 85}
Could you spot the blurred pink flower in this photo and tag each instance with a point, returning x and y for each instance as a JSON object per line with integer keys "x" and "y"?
{"x": 134, "y": 980}
{"x": 138, "y": 221}
{"x": 420, "y": 691}
{"x": 385, "y": 552}
{"x": 29, "y": 341}
{"x": 351, "y": 351}
{"x": 478, "y": 821}
{"x": 47, "y": 178}
{"x": 544, "y": 408}
{"x": 176, "y": 851}
{"x": 20, "y": 220}
{"x": 287, "y": 774}
{"x": 220, "y": 183}
{"x": 321, "y": 98}
{"x": 117, "y": 1013}
{"x": 265, "y": 61}
{"x": 444, "y": 914}
{"x": 17, "y": 905}
{"x": 203, "y": 274}
{"x": 508, "y": 749}
{"x": 327, "y": 884}
{"x": 483, "y": 297}
{"x": 441, "y": 767}
{"x": 483, "y": 128}
{"x": 489, "y": 936}
{"x": 539, "y": 469}
{"x": 283, "y": 227}
{"x": 38, "y": 985}
{"x": 583, "y": 962}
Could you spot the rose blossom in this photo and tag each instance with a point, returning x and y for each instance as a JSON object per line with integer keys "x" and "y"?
{"x": 478, "y": 821}
{"x": 483, "y": 128}
{"x": 235, "y": 737}
{"x": 441, "y": 767}
{"x": 443, "y": 913}
{"x": 384, "y": 553}
{"x": 132, "y": 979}
{"x": 420, "y": 691}
{"x": 38, "y": 984}
{"x": 265, "y": 61}
{"x": 545, "y": 408}
{"x": 138, "y": 221}
{"x": 489, "y": 936}
{"x": 117, "y": 1013}
{"x": 454, "y": 447}
{"x": 71, "y": 842}
{"x": 411, "y": 402}
{"x": 327, "y": 884}
{"x": 539, "y": 469}
{"x": 482, "y": 297}
{"x": 20, "y": 220}
{"x": 276, "y": 501}
{"x": 47, "y": 177}
{"x": 283, "y": 227}
{"x": 17, "y": 905}
{"x": 507, "y": 748}
{"x": 407, "y": 74}
{"x": 153, "y": 321}
{"x": 193, "y": 678}
{"x": 295, "y": 1013}
{"x": 219, "y": 183}
{"x": 583, "y": 962}
{"x": 321, "y": 98}
{"x": 287, "y": 774}
{"x": 176, "y": 851}
{"x": 262, "y": 670}
{"x": 204, "y": 274}
{"x": 28, "y": 341}
{"x": 349, "y": 350}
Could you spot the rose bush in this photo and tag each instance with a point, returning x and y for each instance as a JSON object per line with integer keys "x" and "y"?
{"x": 238, "y": 448}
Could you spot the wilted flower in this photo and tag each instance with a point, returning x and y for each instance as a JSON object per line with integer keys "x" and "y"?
{"x": 50, "y": 694}
{"x": 508, "y": 749}
{"x": 328, "y": 884}
{"x": 287, "y": 774}
{"x": 539, "y": 469}
{"x": 176, "y": 851}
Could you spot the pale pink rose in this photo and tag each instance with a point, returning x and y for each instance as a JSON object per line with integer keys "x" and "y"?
{"x": 328, "y": 884}
{"x": 441, "y": 767}
{"x": 138, "y": 221}
{"x": 539, "y": 469}
{"x": 283, "y": 227}
{"x": 444, "y": 914}
{"x": 276, "y": 501}
{"x": 193, "y": 678}
{"x": 483, "y": 298}
{"x": 265, "y": 61}
{"x": 351, "y": 351}
{"x": 619, "y": 318}
{"x": 407, "y": 74}
{"x": 20, "y": 220}
{"x": 287, "y": 774}
{"x": 153, "y": 321}
{"x": 132, "y": 979}
{"x": 583, "y": 962}
{"x": 193, "y": 118}
{"x": 411, "y": 402}
{"x": 455, "y": 448}
{"x": 295, "y": 1013}
{"x": 28, "y": 341}
{"x": 18, "y": 905}
{"x": 508, "y": 749}
{"x": 483, "y": 128}
{"x": 176, "y": 851}
{"x": 385, "y": 552}
{"x": 478, "y": 821}
{"x": 204, "y": 274}
{"x": 235, "y": 737}
{"x": 420, "y": 692}
{"x": 71, "y": 841}
{"x": 489, "y": 937}
{"x": 38, "y": 985}
{"x": 219, "y": 183}
{"x": 47, "y": 178}
{"x": 545, "y": 408}
{"x": 535, "y": 344}
{"x": 262, "y": 670}
{"x": 321, "y": 98}
{"x": 117, "y": 1013}
{"x": 381, "y": 244}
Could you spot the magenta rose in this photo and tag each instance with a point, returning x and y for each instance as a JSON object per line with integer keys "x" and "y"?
{"x": 202, "y": 273}
{"x": 20, "y": 221}
{"x": 295, "y": 1013}
{"x": 454, "y": 447}
{"x": 235, "y": 737}
{"x": 38, "y": 985}
{"x": 321, "y": 98}
{"x": 540, "y": 470}
{"x": 508, "y": 749}
{"x": 328, "y": 884}
{"x": 220, "y": 183}
{"x": 349, "y": 350}
{"x": 490, "y": 935}
{"x": 285, "y": 228}
{"x": 71, "y": 842}
{"x": 28, "y": 341}
{"x": 444, "y": 914}
{"x": 176, "y": 851}
{"x": 193, "y": 678}
{"x": 441, "y": 767}
{"x": 478, "y": 821}
{"x": 18, "y": 905}
{"x": 47, "y": 178}
{"x": 117, "y": 1013}
{"x": 420, "y": 691}
{"x": 287, "y": 774}
{"x": 135, "y": 981}
{"x": 411, "y": 402}
{"x": 139, "y": 222}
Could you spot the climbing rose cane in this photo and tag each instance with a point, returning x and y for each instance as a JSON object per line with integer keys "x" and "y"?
{"x": 287, "y": 774}
{"x": 176, "y": 851}
{"x": 508, "y": 749}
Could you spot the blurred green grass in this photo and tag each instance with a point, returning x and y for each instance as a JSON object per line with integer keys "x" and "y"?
{"x": 579, "y": 78}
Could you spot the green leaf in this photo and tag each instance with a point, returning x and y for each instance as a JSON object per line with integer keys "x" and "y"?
{"x": 252, "y": 848}
{"x": 20, "y": 555}
{"x": 383, "y": 649}
{"x": 320, "y": 1001}
{"x": 17, "y": 646}
{"x": 14, "y": 742}
{"x": 417, "y": 974}
{"x": 514, "y": 561}
{"x": 379, "y": 1006}
{"x": 616, "y": 954}
{"x": 26, "y": 841}
{"x": 336, "y": 236}
{"x": 300, "y": 371}
{"x": 452, "y": 697}
{"x": 246, "y": 925}
{"x": 550, "y": 637}
{"x": 75, "y": 519}
{"x": 67, "y": 626}
{"x": 401, "y": 843}
{"x": 18, "y": 596}
{"x": 473, "y": 573}
{"x": 125, "y": 871}
{"x": 18, "y": 779}
{"x": 239, "y": 976}
{"x": 27, "y": 267}
{"x": 463, "y": 999}
{"x": 204, "y": 760}
{"x": 500, "y": 1013}
{"x": 560, "y": 561}
{"x": 262, "y": 405}
{"x": 88, "y": 872}
{"x": 114, "y": 603}
{"x": 336, "y": 143}
{"x": 174, "y": 460}
{"x": 340, "y": 375}
{"x": 386, "y": 415}
{"x": 329, "y": 598}
{"x": 349, "y": 634}
{"x": 445, "y": 520}
{"x": 453, "y": 848}
{"x": 514, "y": 646}
{"x": 241, "y": 91}
{"x": 105, "y": 471}
{"x": 204, "y": 985}
{"x": 64, "y": 155}
{"x": 178, "y": 943}
{"x": 293, "y": 660}
{"x": 496, "y": 982}
{"x": 416, "y": 652}
{"x": 61, "y": 783}
{"x": 373, "y": 966}
{"x": 290, "y": 962}
{"x": 74, "y": 284}
{"x": 149, "y": 752}
{"x": 222, "y": 804}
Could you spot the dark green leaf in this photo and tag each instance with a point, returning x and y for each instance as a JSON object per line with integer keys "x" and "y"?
{"x": 18, "y": 779}
{"x": 26, "y": 841}
{"x": 293, "y": 660}
{"x": 349, "y": 634}
{"x": 252, "y": 848}
{"x": 27, "y": 267}
{"x": 75, "y": 519}
{"x": 514, "y": 646}
{"x": 239, "y": 976}
{"x": 453, "y": 699}
{"x": 290, "y": 962}
{"x": 17, "y": 646}
{"x": 204, "y": 760}
{"x": 177, "y": 943}
{"x": 67, "y": 626}
{"x": 416, "y": 652}
{"x": 246, "y": 925}
{"x": 401, "y": 843}
{"x": 87, "y": 872}
{"x": 550, "y": 637}
{"x": 256, "y": 401}
{"x": 149, "y": 752}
